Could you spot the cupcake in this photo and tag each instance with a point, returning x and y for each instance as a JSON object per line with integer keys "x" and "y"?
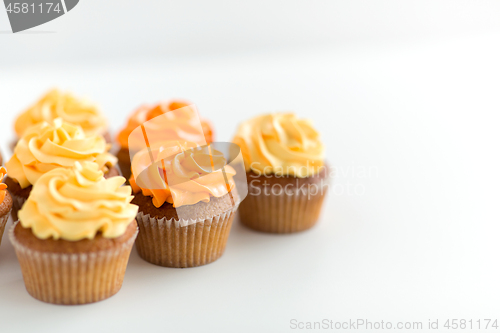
{"x": 74, "y": 235}
{"x": 47, "y": 146}
{"x": 5, "y": 203}
{"x": 286, "y": 173}
{"x": 186, "y": 209}
{"x": 58, "y": 104}
{"x": 181, "y": 125}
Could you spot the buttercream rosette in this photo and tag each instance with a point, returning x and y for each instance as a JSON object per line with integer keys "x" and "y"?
{"x": 286, "y": 173}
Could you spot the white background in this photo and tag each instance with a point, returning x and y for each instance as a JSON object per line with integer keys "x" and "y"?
{"x": 406, "y": 97}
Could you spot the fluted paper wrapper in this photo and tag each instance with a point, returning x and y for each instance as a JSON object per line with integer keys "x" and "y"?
{"x": 183, "y": 243}
{"x": 3, "y": 222}
{"x": 77, "y": 278}
{"x": 282, "y": 213}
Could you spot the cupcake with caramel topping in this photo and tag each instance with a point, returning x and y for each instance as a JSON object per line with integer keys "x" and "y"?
{"x": 180, "y": 125}
{"x": 5, "y": 203}
{"x": 187, "y": 200}
{"x": 286, "y": 173}
{"x": 47, "y": 146}
{"x": 58, "y": 104}
{"x": 74, "y": 235}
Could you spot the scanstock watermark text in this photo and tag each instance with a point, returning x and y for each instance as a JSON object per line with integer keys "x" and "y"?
{"x": 340, "y": 180}
{"x": 377, "y": 325}
{"x": 26, "y": 14}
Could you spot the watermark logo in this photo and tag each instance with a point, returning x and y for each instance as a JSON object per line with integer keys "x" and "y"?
{"x": 26, "y": 14}
{"x": 169, "y": 167}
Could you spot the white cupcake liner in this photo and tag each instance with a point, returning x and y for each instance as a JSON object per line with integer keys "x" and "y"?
{"x": 77, "y": 278}
{"x": 183, "y": 243}
{"x": 285, "y": 212}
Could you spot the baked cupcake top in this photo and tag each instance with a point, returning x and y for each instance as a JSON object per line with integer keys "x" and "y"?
{"x": 181, "y": 173}
{"x": 77, "y": 203}
{"x": 180, "y": 125}
{"x": 280, "y": 144}
{"x": 58, "y": 104}
{"x": 47, "y": 146}
{"x": 3, "y": 186}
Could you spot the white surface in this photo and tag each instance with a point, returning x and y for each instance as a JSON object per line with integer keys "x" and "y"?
{"x": 420, "y": 243}
{"x": 151, "y": 29}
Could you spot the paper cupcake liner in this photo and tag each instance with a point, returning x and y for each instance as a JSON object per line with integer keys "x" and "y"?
{"x": 3, "y": 222}
{"x": 76, "y": 278}
{"x": 283, "y": 212}
{"x": 183, "y": 243}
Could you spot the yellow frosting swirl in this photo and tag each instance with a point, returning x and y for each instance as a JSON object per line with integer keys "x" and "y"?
{"x": 181, "y": 173}
{"x": 77, "y": 203}
{"x": 57, "y": 104}
{"x": 280, "y": 144}
{"x": 47, "y": 146}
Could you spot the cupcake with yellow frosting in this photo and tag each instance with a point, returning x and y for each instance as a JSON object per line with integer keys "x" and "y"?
{"x": 286, "y": 173}
{"x": 75, "y": 234}
{"x": 5, "y": 203}
{"x": 47, "y": 146}
{"x": 187, "y": 200}
{"x": 58, "y": 104}
{"x": 180, "y": 125}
